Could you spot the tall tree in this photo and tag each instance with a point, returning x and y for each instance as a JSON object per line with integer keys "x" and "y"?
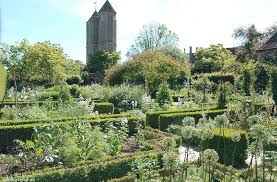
{"x": 42, "y": 62}
{"x": 212, "y": 59}
{"x": 157, "y": 37}
{"x": 250, "y": 40}
{"x": 102, "y": 60}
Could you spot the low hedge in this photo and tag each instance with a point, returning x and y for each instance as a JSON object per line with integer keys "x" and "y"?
{"x": 3, "y": 82}
{"x": 226, "y": 148}
{"x": 95, "y": 171}
{"x": 64, "y": 119}
{"x": 176, "y": 118}
{"x": 152, "y": 118}
{"x": 230, "y": 147}
{"x": 24, "y": 132}
{"x": 104, "y": 108}
{"x": 153, "y": 136}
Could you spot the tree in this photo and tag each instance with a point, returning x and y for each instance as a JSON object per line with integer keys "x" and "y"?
{"x": 157, "y": 37}
{"x": 102, "y": 60}
{"x": 42, "y": 62}
{"x": 250, "y": 40}
{"x": 74, "y": 71}
{"x": 149, "y": 69}
{"x": 212, "y": 59}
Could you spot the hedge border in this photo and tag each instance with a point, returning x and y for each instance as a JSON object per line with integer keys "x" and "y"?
{"x": 152, "y": 118}
{"x": 176, "y": 118}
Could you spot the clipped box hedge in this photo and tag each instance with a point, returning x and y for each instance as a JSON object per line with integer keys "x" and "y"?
{"x": 226, "y": 148}
{"x": 152, "y": 118}
{"x": 3, "y": 82}
{"x": 104, "y": 108}
{"x": 64, "y": 119}
{"x": 114, "y": 168}
{"x": 102, "y": 170}
{"x": 176, "y": 118}
{"x": 24, "y": 132}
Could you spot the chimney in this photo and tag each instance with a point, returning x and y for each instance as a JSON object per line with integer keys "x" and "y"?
{"x": 185, "y": 50}
{"x": 190, "y": 50}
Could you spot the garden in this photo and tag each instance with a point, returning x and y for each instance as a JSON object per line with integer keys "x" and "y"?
{"x": 155, "y": 117}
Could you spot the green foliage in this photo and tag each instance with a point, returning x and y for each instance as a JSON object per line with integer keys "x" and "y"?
{"x": 152, "y": 118}
{"x": 3, "y": 82}
{"x": 105, "y": 169}
{"x": 164, "y": 95}
{"x": 212, "y": 59}
{"x": 149, "y": 69}
{"x": 104, "y": 108}
{"x": 155, "y": 37}
{"x": 274, "y": 85}
{"x": 40, "y": 63}
{"x": 218, "y": 77}
{"x": 250, "y": 39}
{"x": 125, "y": 97}
{"x": 56, "y": 93}
{"x": 165, "y": 120}
{"x": 222, "y": 98}
{"x": 262, "y": 79}
{"x": 74, "y": 71}
{"x": 24, "y": 131}
{"x": 225, "y": 146}
{"x": 101, "y": 60}
{"x": 74, "y": 91}
{"x": 247, "y": 82}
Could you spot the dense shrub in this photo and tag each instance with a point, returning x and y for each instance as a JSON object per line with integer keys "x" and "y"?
{"x": 164, "y": 95}
{"x": 104, "y": 108}
{"x": 176, "y": 118}
{"x": 226, "y": 147}
{"x": 247, "y": 81}
{"x": 149, "y": 69}
{"x": 3, "y": 81}
{"x": 152, "y": 118}
{"x": 212, "y": 59}
{"x": 55, "y": 93}
{"x": 74, "y": 91}
{"x": 262, "y": 79}
{"x": 125, "y": 97}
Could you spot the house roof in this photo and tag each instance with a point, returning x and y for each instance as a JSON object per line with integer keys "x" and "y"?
{"x": 107, "y": 7}
{"x": 270, "y": 44}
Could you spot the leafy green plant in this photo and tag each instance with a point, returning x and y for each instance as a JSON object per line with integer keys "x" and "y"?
{"x": 164, "y": 95}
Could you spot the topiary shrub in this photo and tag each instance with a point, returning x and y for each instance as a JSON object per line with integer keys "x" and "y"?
{"x": 74, "y": 91}
{"x": 3, "y": 82}
{"x": 164, "y": 95}
{"x": 104, "y": 108}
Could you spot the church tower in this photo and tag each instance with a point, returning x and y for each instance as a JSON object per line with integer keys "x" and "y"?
{"x": 101, "y": 30}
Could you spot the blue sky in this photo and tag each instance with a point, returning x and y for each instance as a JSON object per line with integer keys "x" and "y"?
{"x": 197, "y": 22}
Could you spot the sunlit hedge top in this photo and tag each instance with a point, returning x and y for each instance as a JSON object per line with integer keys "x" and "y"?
{"x": 149, "y": 69}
